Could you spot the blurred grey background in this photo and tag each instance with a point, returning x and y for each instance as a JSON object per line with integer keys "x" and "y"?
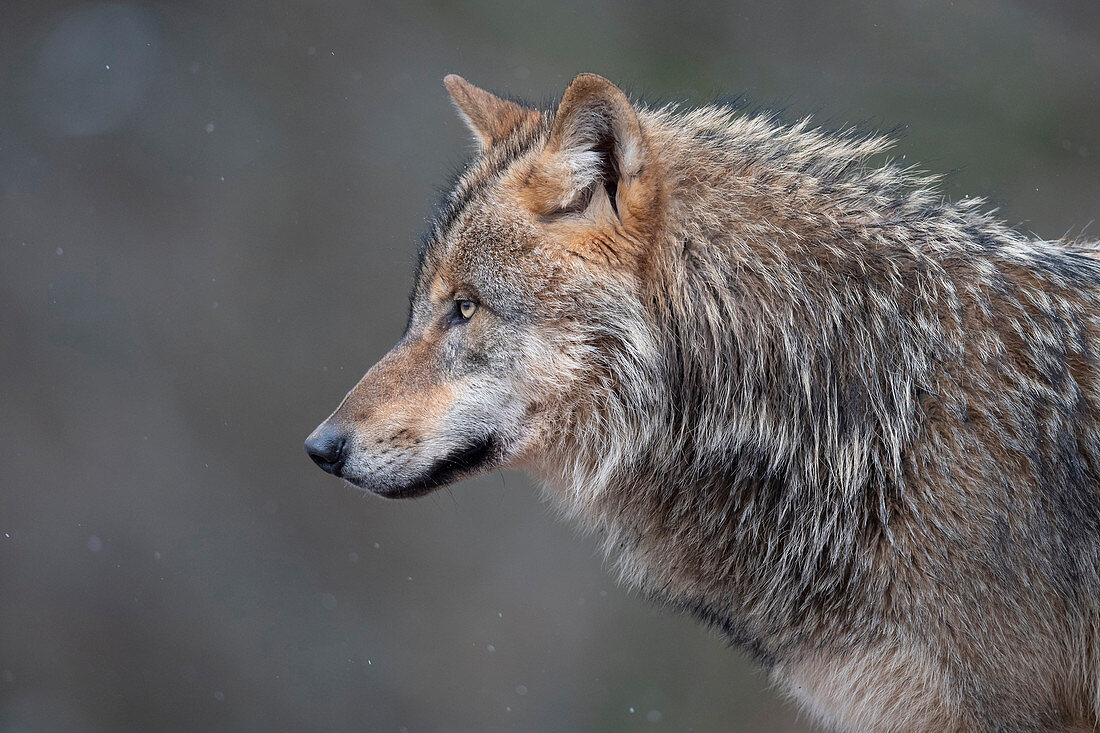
{"x": 208, "y": 214}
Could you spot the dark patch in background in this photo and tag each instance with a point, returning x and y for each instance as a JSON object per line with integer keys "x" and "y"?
{"x": 203, "y": 247}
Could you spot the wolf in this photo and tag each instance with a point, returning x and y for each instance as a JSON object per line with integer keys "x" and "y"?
{"x": 850, "y": 424}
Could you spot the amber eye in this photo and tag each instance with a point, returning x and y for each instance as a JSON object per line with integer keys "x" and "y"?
{"x": 466, "y": 308}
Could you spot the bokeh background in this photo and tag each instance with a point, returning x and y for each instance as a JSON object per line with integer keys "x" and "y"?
{"x": 208, "y": 214}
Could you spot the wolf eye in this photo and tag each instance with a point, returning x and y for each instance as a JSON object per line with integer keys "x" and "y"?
{"x": 466, "y": 308}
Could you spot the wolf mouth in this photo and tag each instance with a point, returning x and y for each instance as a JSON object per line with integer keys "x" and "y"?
{"x": 465, "y": 460}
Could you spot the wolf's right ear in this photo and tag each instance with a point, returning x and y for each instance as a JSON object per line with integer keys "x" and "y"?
{"x": 489, "y": 117}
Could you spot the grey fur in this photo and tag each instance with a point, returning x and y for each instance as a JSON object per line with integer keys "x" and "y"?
{"x": 850, "y": 424}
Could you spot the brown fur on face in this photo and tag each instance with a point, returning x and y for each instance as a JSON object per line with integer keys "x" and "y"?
{"x": 852, "y": 425}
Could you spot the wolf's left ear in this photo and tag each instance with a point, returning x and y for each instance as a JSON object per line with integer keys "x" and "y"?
{"x": 596, "y": 139}
{"x": 489, "y": 117}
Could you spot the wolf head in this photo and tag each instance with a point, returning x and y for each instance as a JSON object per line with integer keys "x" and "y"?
{"x": 527, "y": 323}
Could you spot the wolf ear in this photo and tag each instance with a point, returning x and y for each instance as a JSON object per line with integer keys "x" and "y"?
{"x": 489, "y": 117}
{"x": 595, "y": 144}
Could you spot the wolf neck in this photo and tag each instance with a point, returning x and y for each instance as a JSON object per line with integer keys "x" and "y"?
{"x": 760, "y": 478}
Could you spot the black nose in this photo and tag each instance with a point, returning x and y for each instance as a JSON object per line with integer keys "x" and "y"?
{"x": 326, "y": 447}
